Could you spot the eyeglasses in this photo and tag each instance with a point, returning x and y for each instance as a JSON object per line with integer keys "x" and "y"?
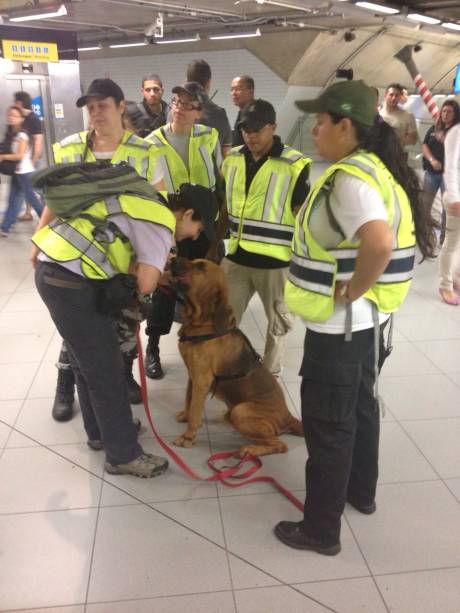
{"x": 187, "y": 106}
{"x": 155, "y": 90}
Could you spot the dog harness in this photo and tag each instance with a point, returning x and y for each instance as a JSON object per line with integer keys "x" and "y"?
{"x": 256, "y": 359}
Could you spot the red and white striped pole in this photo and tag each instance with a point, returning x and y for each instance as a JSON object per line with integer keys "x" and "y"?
{"x": 405, "y": 56}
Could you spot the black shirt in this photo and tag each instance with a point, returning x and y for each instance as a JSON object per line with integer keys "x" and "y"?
{"x": 32, "y": 124}
{"x": 299, "y": 195}
{"x": 152, "y": 121}
{"x": 437, "y": 149}
{"x": 215, "y": 116}
{"x": 237, "y": 137}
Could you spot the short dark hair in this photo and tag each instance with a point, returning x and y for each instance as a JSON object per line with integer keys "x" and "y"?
{"x": 152, "y": 77}
{"x": 395, "y": 86}
{"x": 199, "y": 71}
{"x": 25, "y": 98}
{"x": 248, "y": 81}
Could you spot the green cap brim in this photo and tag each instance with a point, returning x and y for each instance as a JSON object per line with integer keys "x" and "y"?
{"x": 309, "y": 106}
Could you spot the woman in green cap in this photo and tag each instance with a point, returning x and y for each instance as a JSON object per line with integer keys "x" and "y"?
{"x": 352, "y": 263}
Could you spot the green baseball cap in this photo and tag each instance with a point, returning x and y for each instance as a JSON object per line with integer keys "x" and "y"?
{"x": 352, "y": 99}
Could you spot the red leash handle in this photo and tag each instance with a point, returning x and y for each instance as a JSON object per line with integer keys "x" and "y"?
{"x": 219, "y": 474}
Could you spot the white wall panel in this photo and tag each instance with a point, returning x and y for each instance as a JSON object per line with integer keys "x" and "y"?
{"x": 225, "y": 65}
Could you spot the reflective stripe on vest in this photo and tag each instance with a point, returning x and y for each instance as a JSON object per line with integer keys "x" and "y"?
{"x": 262, "y": 231}
{"x": 85, "y": 246}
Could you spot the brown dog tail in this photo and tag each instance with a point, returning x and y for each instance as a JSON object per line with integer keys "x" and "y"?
{"x": 295, "y": 426}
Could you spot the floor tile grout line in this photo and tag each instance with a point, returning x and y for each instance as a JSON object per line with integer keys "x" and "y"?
{"x": 441, "y": 478}
{"x": 366, "y": 563}
{"x": 96, "y": 524}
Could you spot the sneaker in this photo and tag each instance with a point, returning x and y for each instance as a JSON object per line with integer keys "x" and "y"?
{"x": 145, "y": 466}
{"x": 97, "y": 445}
{"x": 4, "y": 233}
{"x": 293, "y": 535}
{"x": 25, "y": 217}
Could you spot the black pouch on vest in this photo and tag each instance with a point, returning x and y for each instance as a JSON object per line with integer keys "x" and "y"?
{"x": 329, "y": 391}
{"x": 116, "y": 294}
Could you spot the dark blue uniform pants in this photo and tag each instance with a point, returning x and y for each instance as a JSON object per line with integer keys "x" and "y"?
{"x": 95, "y": 356}
{"x": 341, "y": 423}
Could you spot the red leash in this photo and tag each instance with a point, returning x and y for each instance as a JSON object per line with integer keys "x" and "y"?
{"x": 222, "y": 474}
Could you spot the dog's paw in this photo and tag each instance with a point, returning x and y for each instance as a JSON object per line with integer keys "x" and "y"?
{"x": 183, "y": 441}
{"x": 181, "y": 416}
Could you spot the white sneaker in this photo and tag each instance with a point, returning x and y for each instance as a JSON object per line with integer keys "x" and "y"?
{"x": 146, "y": 465}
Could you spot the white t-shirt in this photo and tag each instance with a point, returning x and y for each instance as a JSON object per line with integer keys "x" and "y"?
{"x": 25, "y": 165}
{"x": 452, "y": 165}
{"x": 353, "y": 203}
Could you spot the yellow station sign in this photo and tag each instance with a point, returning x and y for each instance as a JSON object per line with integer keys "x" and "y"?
{"x": 29, "y": 51}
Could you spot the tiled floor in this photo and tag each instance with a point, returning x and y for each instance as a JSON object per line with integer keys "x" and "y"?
{"x": 74, "y": 540}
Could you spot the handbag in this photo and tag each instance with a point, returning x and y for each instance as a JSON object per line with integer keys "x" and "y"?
{"x": 7, "y": 167}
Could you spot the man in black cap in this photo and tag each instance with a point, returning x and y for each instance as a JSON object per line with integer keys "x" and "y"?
{"x": 266, "y": 183}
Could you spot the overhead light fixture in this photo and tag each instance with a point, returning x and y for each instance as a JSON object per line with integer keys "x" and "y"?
{"x": 380, "y": 8}
{"x": 225, "y": 35}
{"x": 120, "y": 45}
{"x": 451, "y": 25}
{"x": 31, "y": 16}
{"x": 96, "y": 48}
{"x": 170, "y": 41}
{"x": 423, "y": 18}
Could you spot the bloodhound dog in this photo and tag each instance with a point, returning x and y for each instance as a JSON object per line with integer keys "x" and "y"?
{"x": 221, "y": 360}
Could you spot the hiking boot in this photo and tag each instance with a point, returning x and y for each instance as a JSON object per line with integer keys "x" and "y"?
{"x": 145, "y": 466}
{"x": 97, "y": 445}
{"x": 294, "y": 535}
{"x": 65, "y": 393}
{"x": 153, "y": 368}
{"x": 134, "y": 389}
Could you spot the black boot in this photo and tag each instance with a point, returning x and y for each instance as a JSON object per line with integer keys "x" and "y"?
{"x": 134, "y": 389}
{"x": 153, "y": 368}
{"x": 65, "y": 393}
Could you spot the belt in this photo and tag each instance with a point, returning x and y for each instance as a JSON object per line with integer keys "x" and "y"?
{"x": 62, "y": 282}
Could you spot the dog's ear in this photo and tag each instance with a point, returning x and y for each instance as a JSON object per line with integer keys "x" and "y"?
{"x": 223, "y": 316}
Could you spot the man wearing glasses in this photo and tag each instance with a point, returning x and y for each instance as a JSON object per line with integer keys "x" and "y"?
{"x": 153, "y": 108}
{"x": 184, "y": 152}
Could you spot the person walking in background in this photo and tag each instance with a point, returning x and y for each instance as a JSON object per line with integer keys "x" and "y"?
{"x": 401, "y": 121}
{"x": 34, "y": 128}
{"x": 212, "y": 115}
{"x": 352, "y": 265}
{"x": 450, "y": 252}
{"x": 433, "y": 155}
{"x": 21, "y": 153}
{"x": 242, "y": 93}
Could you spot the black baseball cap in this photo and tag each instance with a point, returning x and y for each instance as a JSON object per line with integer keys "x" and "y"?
{"x": 203, "y": 201}
{"x": 257, "y": 114}
{"x": 102, "y": 88}
{"x": 194, "y": 89}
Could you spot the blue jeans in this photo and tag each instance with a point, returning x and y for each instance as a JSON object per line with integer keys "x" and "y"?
{"x": 432, "y": 181}
{"x": 20, "y": 189}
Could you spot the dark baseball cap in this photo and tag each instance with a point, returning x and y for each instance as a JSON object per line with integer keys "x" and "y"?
{"x": 257, "y": 114}
{"x": 352, "y": 99}
{"x": 203, "y": 201}
{"x": 102, "y": 88}
{"x": 194, "y": 89}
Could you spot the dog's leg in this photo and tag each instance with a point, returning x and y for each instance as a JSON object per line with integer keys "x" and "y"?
{"x": 246, "y": 418}
{"x": 199, "y": 390}
{"x": 182, "y": 416}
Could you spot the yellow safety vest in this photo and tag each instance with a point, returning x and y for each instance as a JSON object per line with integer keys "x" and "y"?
{"x": 262, "y": 221}
{"x": 103, "y": 252}
{"x": 313, "y": 271}
{"x": 132, "y": 149}
{"x": 202, "y": 144}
